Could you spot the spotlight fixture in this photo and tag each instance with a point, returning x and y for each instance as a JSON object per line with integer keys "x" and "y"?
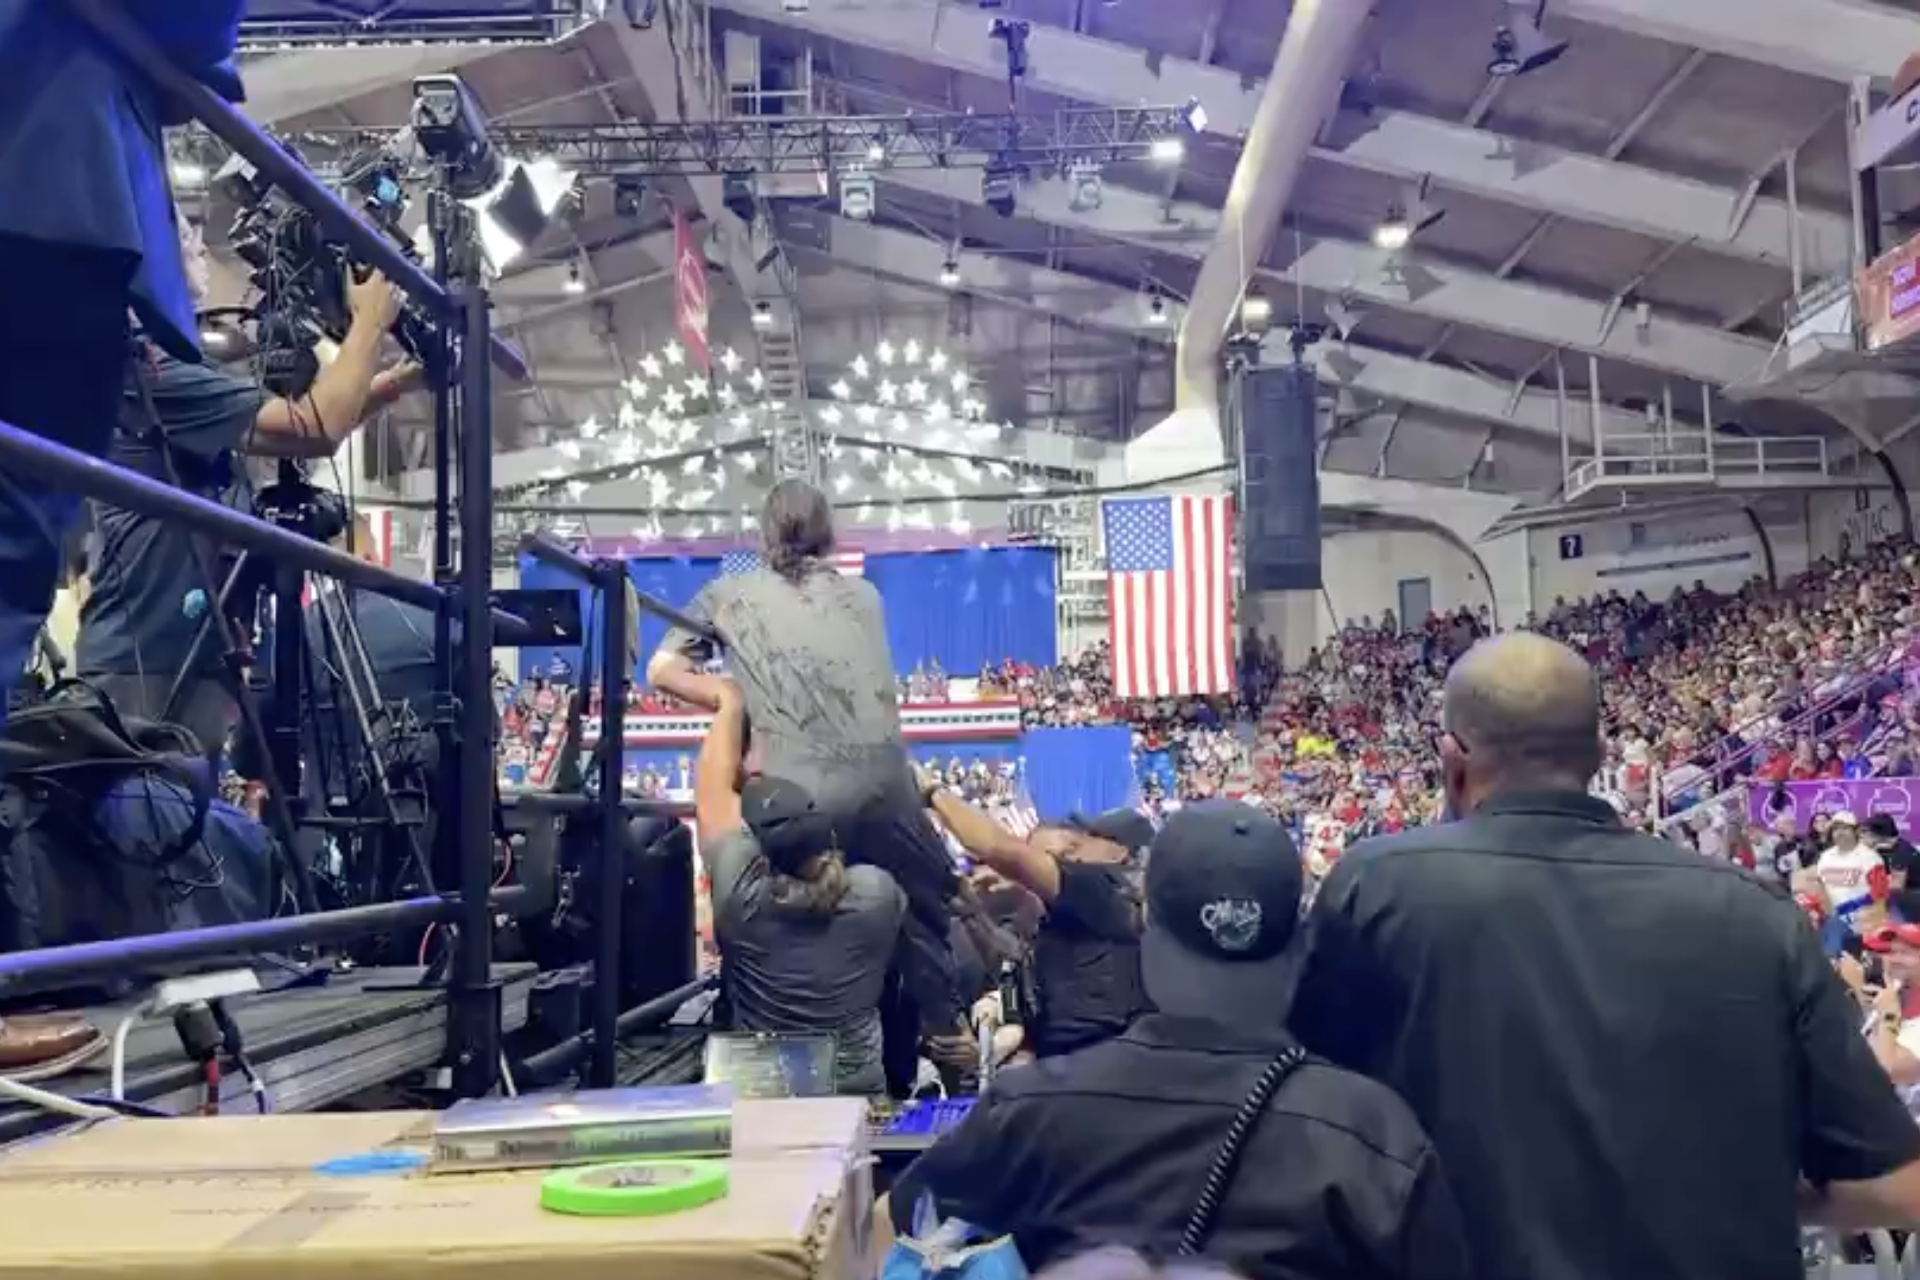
{"x": 1194, "y": 116}
{"x": 451, "y": 128}
{"x": 737, "y": 193}
{"x": 1408, "y": 218}
{"x": 518, "y": 211}
{"x": 629, "y": 197}
{"x": 1519, "y": 46}
{"x": 1256, "y": 313}
{"x": 187, "y": 175}
{"x": 763, "y": 315}
{"x": 998, "y": 188}
{"x": 856, "y": 195}
{"x": 1167, "y": 150}
{"x": 876, "y": 153}
{"x": 1156, "y": 310}
{"x": 950, "y": 274}
{"x": 1087, "y": 190}
{"x": 575, "y": 284}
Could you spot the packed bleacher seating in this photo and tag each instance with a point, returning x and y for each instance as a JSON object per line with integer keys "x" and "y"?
{"x": 1704, "y": 693}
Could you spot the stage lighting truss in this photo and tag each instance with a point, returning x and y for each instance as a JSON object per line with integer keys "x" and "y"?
{"x": 326, "y": 24}
{"x": 902, "y": 432}
{"x": 1051, "y": 142}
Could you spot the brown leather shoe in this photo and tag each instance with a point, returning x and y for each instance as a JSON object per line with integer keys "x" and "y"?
{"x": 41, "y": 1046}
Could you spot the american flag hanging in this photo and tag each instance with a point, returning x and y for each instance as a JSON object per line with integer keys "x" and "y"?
{"x": 852, "y": 564}
{"x": 1169, "y": 595}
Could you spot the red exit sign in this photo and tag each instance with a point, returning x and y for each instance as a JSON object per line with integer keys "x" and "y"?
{"x": 1889, "y": 297}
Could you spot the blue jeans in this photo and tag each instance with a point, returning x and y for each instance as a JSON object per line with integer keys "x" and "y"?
{"x": 63, "y": 361}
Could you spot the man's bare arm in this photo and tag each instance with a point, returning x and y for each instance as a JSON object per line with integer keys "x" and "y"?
{"x": 676, "y": 676}
{"x": 1890, "y": 1201}
{"x": 716, "y": 775}
{"x": 994, "y": 845}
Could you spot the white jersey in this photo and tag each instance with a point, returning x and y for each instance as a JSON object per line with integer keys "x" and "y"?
{"x": 1845, "y": 876}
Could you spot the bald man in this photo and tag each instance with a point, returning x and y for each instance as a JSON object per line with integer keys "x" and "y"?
{"x": 1629, "y": 1056}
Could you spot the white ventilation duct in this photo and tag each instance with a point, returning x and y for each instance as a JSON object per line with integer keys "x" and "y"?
{"x": 1321, "y": 39}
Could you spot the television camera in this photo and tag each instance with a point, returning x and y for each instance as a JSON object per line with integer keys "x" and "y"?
{"x": 301, "y": 275}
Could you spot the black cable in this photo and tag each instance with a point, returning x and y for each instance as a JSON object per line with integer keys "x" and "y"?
{"x": 233, "y": 1045}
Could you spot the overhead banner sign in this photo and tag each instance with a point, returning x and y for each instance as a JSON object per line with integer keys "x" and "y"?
{"x": 1889, "y": 290}
{"x": 690, "y": 291}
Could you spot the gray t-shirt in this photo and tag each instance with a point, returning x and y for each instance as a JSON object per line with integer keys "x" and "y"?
{"x": 804, "y": 974}
{"x": 137, "y": 619}
{"x": 811, "y": 658}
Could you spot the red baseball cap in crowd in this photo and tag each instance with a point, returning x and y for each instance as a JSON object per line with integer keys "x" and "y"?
{"x": 1887, "y": 937}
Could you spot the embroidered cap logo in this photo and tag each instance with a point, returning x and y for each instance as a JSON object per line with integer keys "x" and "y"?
{"x": 1232, "y": 923}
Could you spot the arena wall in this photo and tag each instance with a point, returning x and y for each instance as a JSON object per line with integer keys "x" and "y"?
{"x": 1369, "y": 573}
{"x": 1719, "y": 548}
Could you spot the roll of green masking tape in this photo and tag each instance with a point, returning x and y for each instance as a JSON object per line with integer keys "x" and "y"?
{"x": 634, "y": 1188}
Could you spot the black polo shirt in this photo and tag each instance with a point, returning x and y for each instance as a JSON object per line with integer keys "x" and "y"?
{"x": 1086, "y": 958}
{"x": 1112, "y": 1145}
{"x": 1627, "y": 1054}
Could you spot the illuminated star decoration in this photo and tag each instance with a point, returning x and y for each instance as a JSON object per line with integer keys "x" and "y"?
{"x": 909, "y": 412}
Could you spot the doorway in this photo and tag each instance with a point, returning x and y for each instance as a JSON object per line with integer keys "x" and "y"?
{"x": 1416, "y": 602}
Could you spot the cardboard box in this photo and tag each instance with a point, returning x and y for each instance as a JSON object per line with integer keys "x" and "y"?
{"x": 241, "y": 1197}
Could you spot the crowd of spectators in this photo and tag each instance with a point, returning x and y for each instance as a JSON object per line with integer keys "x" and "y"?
{"x": 1702, "y": 691}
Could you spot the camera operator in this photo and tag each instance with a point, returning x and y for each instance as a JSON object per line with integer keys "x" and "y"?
{"x": 1086, "y": 952}
{"x": 85, "y": 235}
{"x": 805, "y": 940}
{"x": 809, "y": 648}
{"x": 183, "y": 423}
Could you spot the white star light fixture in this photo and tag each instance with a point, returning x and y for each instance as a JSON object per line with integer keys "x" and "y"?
{"x": 908, "y": 401}
{"x": 927, "y": 400}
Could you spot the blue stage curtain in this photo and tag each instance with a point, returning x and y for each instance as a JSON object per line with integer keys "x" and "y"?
{"x": 673, "y": 581}
{"x": 966, "y": 609}
{"x": 1083, "y": 770}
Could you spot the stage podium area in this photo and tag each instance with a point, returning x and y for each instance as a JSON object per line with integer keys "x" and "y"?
{"x": 313, "y": 1045}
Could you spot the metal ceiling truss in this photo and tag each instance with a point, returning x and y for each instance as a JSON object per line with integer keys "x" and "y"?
{"x": 275, "y": 25}
{"x": 840, "y": 144}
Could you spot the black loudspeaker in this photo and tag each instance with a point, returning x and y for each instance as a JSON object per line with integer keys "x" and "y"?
{"x": 1279, "y": 478}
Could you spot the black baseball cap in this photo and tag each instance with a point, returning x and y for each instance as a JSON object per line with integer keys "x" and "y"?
{"x": 1128, "y": 828}
{"x": 1223, "y": 887}
{"x": 786, "y": 823}
{"x": 1881, "y": 826}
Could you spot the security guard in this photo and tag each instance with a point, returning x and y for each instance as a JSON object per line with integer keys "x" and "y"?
{"x": 1629, "y": 1056}
{"x": 1086, "y": 955}
{"x": 1120, "y": 1143}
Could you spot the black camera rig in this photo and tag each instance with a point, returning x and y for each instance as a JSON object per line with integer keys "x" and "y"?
{"x": 301, "y": 273}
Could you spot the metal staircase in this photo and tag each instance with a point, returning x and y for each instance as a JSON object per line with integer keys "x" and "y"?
{"x": 790, "y": 436}
{"x": 1080, "y": 595}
